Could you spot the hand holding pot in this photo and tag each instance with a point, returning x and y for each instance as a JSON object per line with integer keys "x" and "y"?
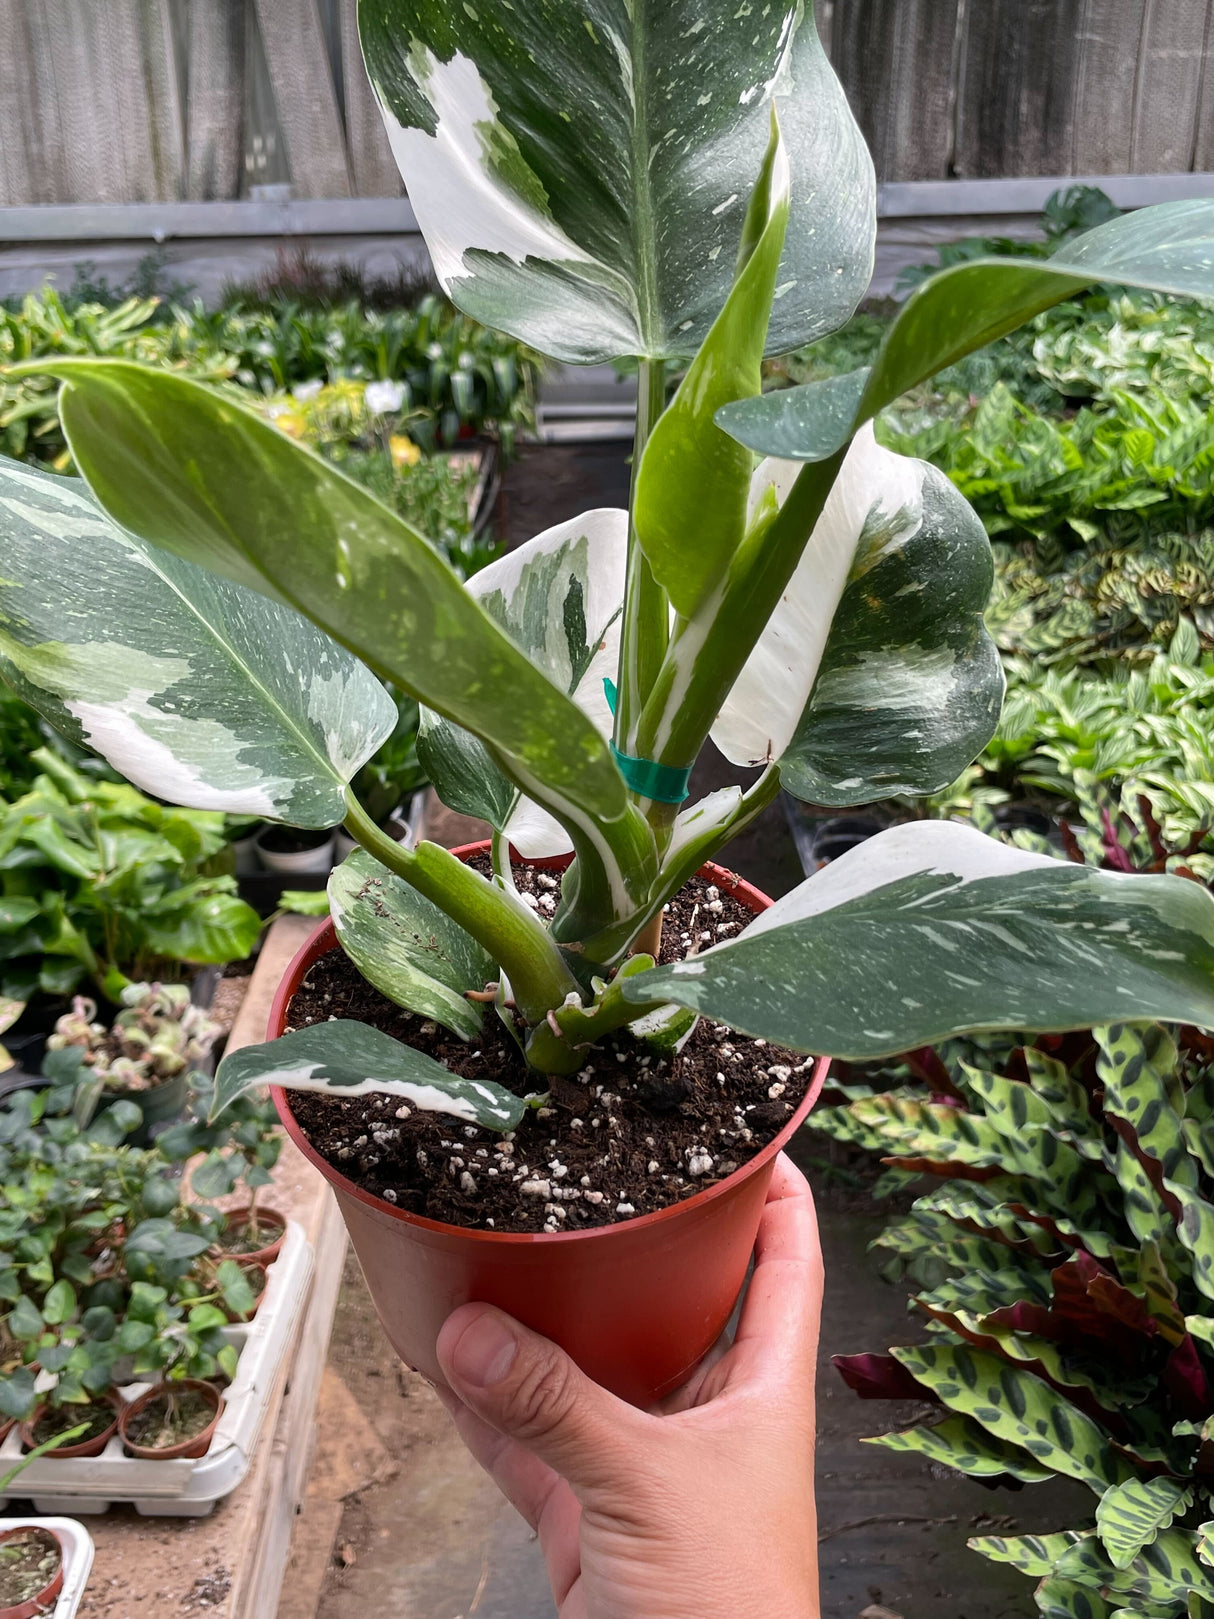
{"x": 702, "y": 1508}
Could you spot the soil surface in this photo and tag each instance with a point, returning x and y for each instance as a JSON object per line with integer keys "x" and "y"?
{"x": 630, "y": 1134}
{"x": 57, "y": 1420}
{"x": 238, "y": 1239}
{"x": 28, "y": 1563}
{"x": 157, "y": 1426}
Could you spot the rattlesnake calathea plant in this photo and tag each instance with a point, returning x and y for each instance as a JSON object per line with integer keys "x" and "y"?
{"x": 1065, "y": 1256}
{"x": 213, "y": 607}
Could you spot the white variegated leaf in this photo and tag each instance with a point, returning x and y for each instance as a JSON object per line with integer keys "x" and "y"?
{"x": 410, "y": 950}
{"x": 580, "y": 168}
{"x": 343, "y": 1058}
{"x": 559, "y": 597}
{"x": 875, "y": 675}
{"x": 196, "y": 689}
{"x": 932, "y": 929}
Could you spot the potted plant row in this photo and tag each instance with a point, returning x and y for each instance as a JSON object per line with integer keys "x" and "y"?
{"x": 111, "y": 1278}
{"x": 561, "y": 1090}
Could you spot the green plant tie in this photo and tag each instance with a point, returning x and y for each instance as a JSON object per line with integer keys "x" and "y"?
{"x": 645, "y": 777}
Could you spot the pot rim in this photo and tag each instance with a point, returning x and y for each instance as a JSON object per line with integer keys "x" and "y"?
{"x": 51, "y": 1590}
{"x": 169, "y": 1386}
{"x": 323, "y": 939}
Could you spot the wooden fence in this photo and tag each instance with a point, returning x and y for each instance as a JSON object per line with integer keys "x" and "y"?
{"x": 121, "y": 101}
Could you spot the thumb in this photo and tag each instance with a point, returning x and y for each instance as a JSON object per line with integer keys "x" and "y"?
{"x": 529, "y": 1389}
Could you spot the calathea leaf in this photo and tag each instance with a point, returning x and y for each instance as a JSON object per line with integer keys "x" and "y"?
{"x": 558, "y": 598}
{"x": 692, "y": 486}
{"x": 1031, "y": 1554}
{"x": 410, "y": 950}
{"x": 343, "y": 1058}
{"x": 1067, "y": 1599}
{"x": 1130, "y": 1515}
{"x": 964, "y": 1444}
{"x": 931, "y": 929}
{"x": 579, "y": 168}
{"x": 195, "y": 688}
{"x": 1166, "y": 1571}
{"x": 1168, "y": 248}
{"x": 875, "y": 674}
{"x": 1017, "y": 1408}
{"x": 207, "y": 480}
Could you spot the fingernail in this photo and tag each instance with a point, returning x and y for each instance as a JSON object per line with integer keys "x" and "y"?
{"x": 485, "y": 1352}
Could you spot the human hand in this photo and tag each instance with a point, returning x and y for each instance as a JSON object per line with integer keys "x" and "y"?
{"x": 702, "y": 1509}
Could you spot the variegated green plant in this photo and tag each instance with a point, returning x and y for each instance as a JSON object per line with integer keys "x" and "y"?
{"x": 601, "y": 181}
{"x": 1065, "y": 1262}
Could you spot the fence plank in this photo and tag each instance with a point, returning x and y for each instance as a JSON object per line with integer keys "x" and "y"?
{"x": 1108, "y": 39}
{"x": 23, "y": 175}
{"x": 895, "y": 58}
{"x": 1169, "y": 85}
{"x": 371, "y": 161}
{"x": 215, "y": 78}
{"x": 1014, "y": 101}
{"x": 308, "y": 113}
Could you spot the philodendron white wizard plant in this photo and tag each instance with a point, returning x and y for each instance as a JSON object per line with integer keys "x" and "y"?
{"x": 213, "y": 607}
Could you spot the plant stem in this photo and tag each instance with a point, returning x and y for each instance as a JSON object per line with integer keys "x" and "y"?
{"x": 514, "y": 936}
{"x": 646, "y": 626}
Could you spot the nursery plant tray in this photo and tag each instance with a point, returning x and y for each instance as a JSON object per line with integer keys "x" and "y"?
{"x": 77, "y": 1559}
{"x": 184, "y": 1489}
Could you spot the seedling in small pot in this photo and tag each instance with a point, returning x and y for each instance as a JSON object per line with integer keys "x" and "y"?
{"x": 779, "y": 584}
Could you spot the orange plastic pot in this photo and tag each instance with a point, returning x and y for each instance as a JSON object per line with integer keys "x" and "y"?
{"x": 637, "y": 1305}
{"x": 42, "y": 1601}
{"x": 269, "y": 1251}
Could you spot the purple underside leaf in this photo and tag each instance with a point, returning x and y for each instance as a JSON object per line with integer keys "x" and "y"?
{"x": 879, "y": 1377}
{"x": 1185, "y": 1380}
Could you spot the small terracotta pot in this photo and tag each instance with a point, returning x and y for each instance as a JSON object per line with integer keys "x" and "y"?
{"x": 86, "y": 1447}
{"x": 258, "y": 1256}
{"x": 42, "y": 1602}
{"x": 189, "y": 1449}
{"x": 637, "y": 1304}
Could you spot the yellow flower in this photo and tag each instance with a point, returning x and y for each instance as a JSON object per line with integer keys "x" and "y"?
{"x": 404, "y": 452}
{"x": 291, "y": 423}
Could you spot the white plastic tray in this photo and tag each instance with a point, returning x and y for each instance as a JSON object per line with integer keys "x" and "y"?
{"x": 182, "y": 1489}
{"x": 77, "y": 1558}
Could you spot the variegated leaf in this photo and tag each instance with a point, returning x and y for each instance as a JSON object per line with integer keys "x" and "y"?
{"x": 931, "y": 929}
{"x": 580, "y": 168}
{"x": 1138, "y": 1067}
{"x": 961, "y": 1443}
{"x": 1031, "y": 1554}
{"x": 1195, "y": 1228}
{"x": 1066, "y": 1599}
{"x": 1017, "y": 1408}
{"x": 1168, "y": 248}
{"x": 1129, "y": 1516}
{"x": 1166, "y": 1571}
{"x": 410, "y": 950}
{"x": 559, "y": 598}
{"x": 875, "y": 674}
{"x": 344, "y": 1058}
{"x": 207, "y": 480}
{"x": 1205, "y": 1543}
{"x": 196, "y": 689}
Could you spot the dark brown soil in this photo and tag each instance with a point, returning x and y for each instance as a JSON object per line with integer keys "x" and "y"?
{"x": 58, "y": 1419}
{"x": 628, "y": 1135}
{"x": 171, "y": 1419}
{"x": 28, "y": 1563}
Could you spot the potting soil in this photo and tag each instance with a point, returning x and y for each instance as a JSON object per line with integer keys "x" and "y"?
{"x": 28, "y": 1563}
{"x": 630, "y": 1134}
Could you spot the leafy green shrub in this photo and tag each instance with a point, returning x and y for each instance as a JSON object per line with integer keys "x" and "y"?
{"x": 1064, "y": 1257}
{"x": 99, "y": 882}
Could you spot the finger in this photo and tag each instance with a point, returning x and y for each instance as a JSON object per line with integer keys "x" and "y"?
{"x": 537, "y": 1494}
{"x": 778, "y": 1329}
{"x": 528, "y": 1389}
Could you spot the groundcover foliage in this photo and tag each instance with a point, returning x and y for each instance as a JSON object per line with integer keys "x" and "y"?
{"x": 1064, "y": 1259}
{"x": 608, "y": 183}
